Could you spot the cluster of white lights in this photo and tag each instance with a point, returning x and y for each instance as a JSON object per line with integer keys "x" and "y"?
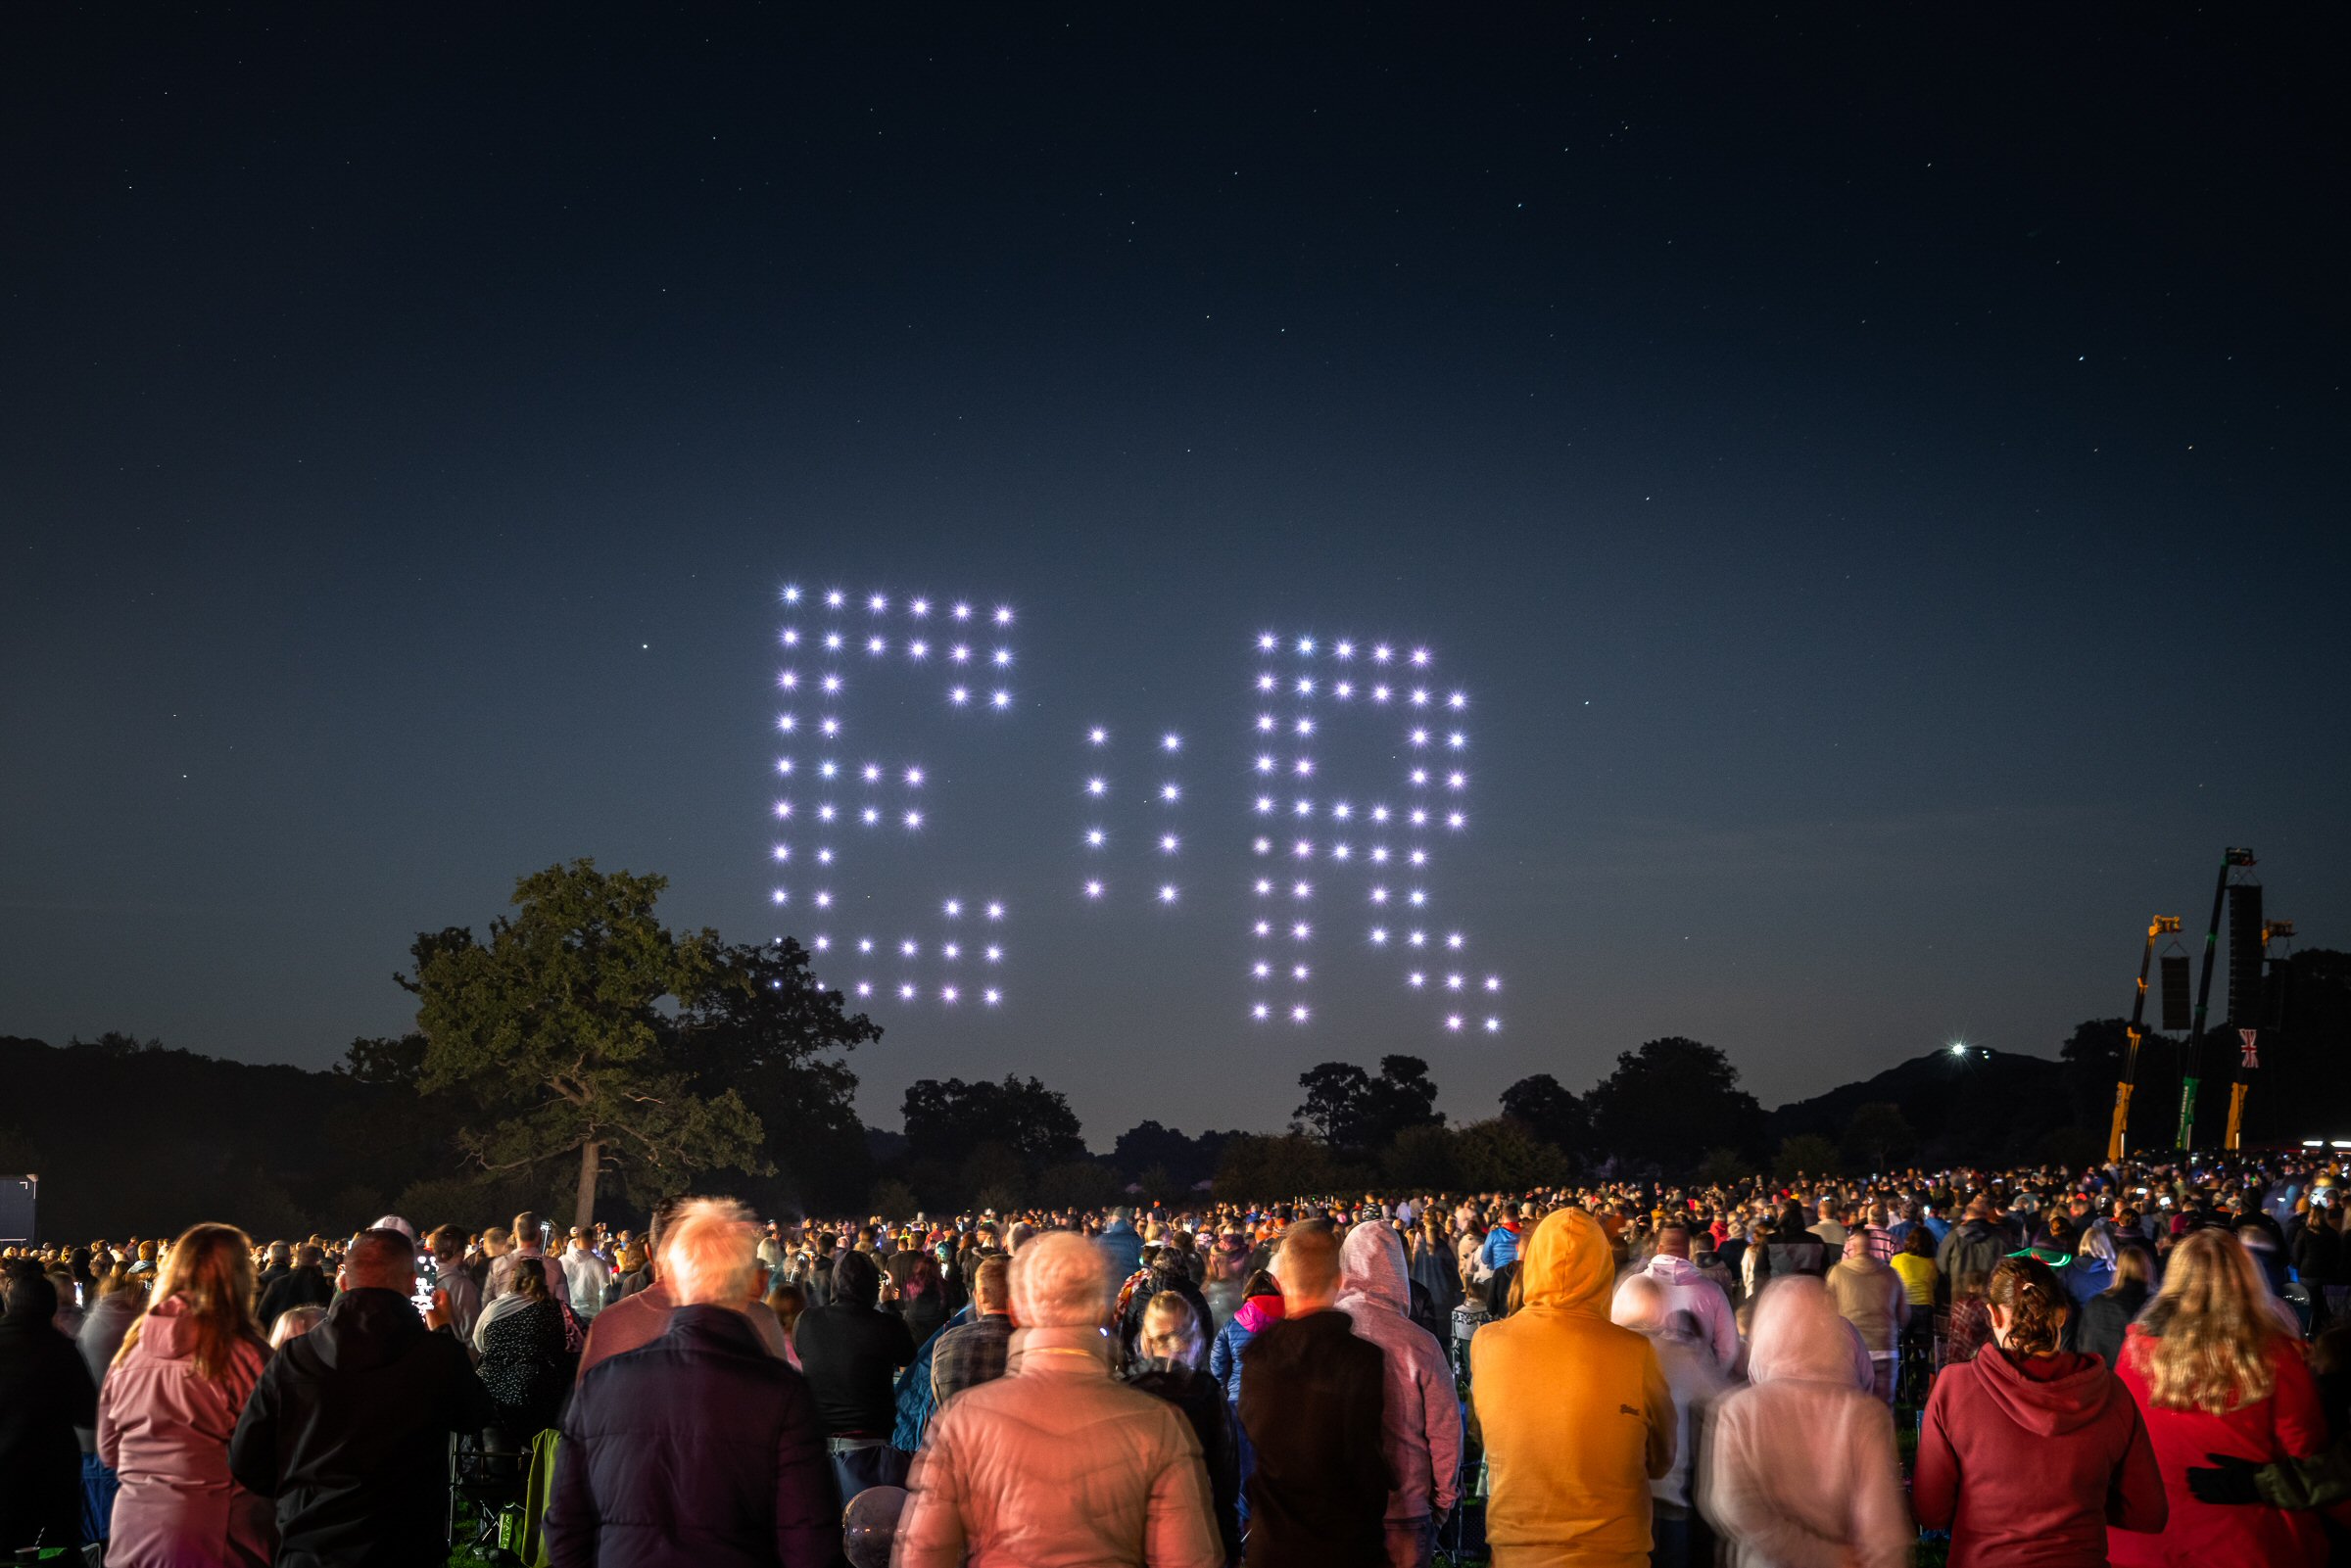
{"x": 1098, "y": 838}
{"x": 960, "y": 639}
{"x": 1305, "y": 688}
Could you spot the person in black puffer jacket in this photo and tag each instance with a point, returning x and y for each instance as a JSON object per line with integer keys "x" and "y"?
{"x": 700, "y": 1449}
{"x": 1168, "y": 1351}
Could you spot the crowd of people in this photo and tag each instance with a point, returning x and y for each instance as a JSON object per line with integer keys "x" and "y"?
{"x": 2132, "y": 1364}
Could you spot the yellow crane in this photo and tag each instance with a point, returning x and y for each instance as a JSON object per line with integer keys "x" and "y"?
{"x": 2116, "y": 1147}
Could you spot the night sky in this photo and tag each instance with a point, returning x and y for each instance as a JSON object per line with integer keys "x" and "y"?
{"x": 1880, "y": 480}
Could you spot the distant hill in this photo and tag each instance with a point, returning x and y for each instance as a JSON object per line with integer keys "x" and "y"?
{"x": 1987, "y": 1107}
{"x": 151, "y": 1141}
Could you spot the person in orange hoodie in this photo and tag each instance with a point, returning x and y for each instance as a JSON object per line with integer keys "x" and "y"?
{"x": 1575, "y": 1414}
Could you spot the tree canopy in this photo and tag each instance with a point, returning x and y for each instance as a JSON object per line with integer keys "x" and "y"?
{"x": 1350, "y": 1110}
{"x": 1669, "y": 1102}
{"x": 554, "y": 1034}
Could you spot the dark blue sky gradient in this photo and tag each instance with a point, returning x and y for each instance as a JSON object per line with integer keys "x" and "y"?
{"x": 1880, "y": 484}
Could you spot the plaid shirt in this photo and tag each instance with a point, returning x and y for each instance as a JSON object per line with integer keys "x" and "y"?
{"x": 969, "y": 1354}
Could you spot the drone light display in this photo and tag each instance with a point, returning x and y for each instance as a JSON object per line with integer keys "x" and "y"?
{"x": 1350, "y": 830}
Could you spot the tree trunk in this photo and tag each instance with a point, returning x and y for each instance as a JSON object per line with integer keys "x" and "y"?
{"x": 583, "y": 1208}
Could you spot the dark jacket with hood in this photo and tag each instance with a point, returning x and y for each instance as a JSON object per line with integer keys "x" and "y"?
{"x": 1313, "y": 1401}
{"x": 2028, "y": 1459}
{"x": 850, "y": 1352}
{"x": 45, "y": 1392}
{"x": 349, "y": 1431}
{"x": 1202, "y": 1401}
{"x": 1974, "y": 1246}
{"x": 700, "y": 1449}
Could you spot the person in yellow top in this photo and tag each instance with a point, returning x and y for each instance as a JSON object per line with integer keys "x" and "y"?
{"x": 1574, "y": 1412}
{"x": 1915, "y": 1263}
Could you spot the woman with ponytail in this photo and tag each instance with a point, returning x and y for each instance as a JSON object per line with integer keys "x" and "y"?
{"x": 2028, "y": 1452}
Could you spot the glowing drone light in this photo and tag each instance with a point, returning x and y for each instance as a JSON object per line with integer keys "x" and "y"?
{"x": 962, "y": 612}
{"x": 1001, "y": 658}
{"x": 918, "y": 608}
{"x": 1167, "y": 843}
{"x": 1420, "y": 737}
{"x": 1305, "y": 688}
{"x": 961, "y": 653}
{"x": 1493, "y": 983}
{"x": 1259, "y": 1012}
{"x": 1343, "y": 690}
{"x": 827, "y": 768}
{"x": 1455, "y": 821}
{"x": 877, "y": 645}
{"x": 1454, "y": 941}
{"x": 1301, "y": 931}
{"x": 1379, "y": 895}
{"x": 1380, "y": 854}
{"x": 1098, "y": 735}
{"x": 1379, "y": 694}
{"x": 1456, "y": 740}
{"x": 787, "y": 723}
{"x": 914, "y": 819}
{"x": 909, "y": 948}
{"x": 779, "y": 896}
{"x": 1458, "y": 701}
{"x": 790, "y": 680}
{"x": 1264, "y": 724}
{"x": 917, "y": 648}
{"x": 906, "y": 992}
{"x": 1379, "y": 814}
{"x": 832, "y": 641}
{"x": 1416, "y": 979}
{"x": 835, "y": 600}
{"x": 1003, "y": 615}
{"x": 1002, "y": 700}
{"x": 1419, "y": 775}
{"x": 1340, "y": 852}
{"x": 1421, "y": 657}
{"x": 1265, "y": 682}
{"x": 1298, "y": 1014}
{"x": 959, "y": 695}
{"x": 1265, "y": 764}
{"x": 784, "y": 810}
{"x": 831, "y": 726}
{"x": 1344, "y": 651}
{"x": 954, "y": 907}
{"x": 1262, "y": 846}
{"x": 1453, "y": 1021}
{"x": 1417, "y": 938}
{"x": 1267, "y": 642}
{"x": 991, "y": 996}
{"x": 946, "y": 993}
{"x": 914, "y": 777}
{"x": 1305, "y": 808}
{"x": 995, "y": 911}
{"x": 1456, "y": 780}
{"x": 1302, "y": 890}
{"x": 1265, "y": 803}
{"x": 1263, "y": 928}
{"x": 791, "y": 593}
{"x": 864, "y": 988}
{"x": 1265, "y": 887}
{"x": 1306, "y": 767}
{"x": 791, "y": 636}
{"x": 824, "y": 857}
{"x": 1171, "y": 793}
{"x": 1382, "y": 653}
{"x": 1420, "y": 896}
{"x": 1097, "y": 786}
{"x": 784, "y": 766}
{"x": 871, "y": 816}
{"x": 1298, "y": 972}
{"x": 1306, "y": 727}
{"x": 1093, "y": 889}
{"x": 1419, "y": 818}
{"x": 1452, "y": 982}
{"x": 878, "y": 603}
{"x": 824, "y": 812}
{"x": 1419, "y": 698}
{"x": 1306, "y": 646}
{"x": 1379, "y": 937}
{"x": 1304, "y": 849}
{"x": 824, "y": 900}
{"x": 782, "y": 851}
{"x": 1493, "y": 1025}
{"x": 996, "y": 955}
{"x": 1418, "y": 857}
{"x": 1167, "y": 894}
{"x": 1094, "y": 838}
{"x": 872, "y": 772}
{"x": 1262, "y": 970}
{"x": 865, "y": 944}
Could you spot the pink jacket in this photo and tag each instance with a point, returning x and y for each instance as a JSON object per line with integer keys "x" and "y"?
{"x": 1689, "y": 1290}
{"x": 1054, "y": 1465}
{"x": 1421, "y": 1416}
{"x": 164, "y": 1431}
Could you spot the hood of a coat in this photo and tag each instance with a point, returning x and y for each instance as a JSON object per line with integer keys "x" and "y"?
{"x": 1668, "y": 1269}
{"x": 365, "y": 1329}
{"x": 1798, "y": 1334}
{"x": 2072, "y": 1390}
{"x": 1371, "y": 1268}
{"x": 1568, "y": 1264}
{"x": 165, "y": 1330}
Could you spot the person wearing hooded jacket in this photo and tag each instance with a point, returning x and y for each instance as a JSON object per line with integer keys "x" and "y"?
{"x": 1574, "y": 1412}
{"x": 349, "y": 1427}
{"x": 1974, "y": 1246}
{"x": 1420, "y": 1418}
{"x": 2029, "y": 1452}
{"x": 1801, "y": 1471}
{"x": 1687, "y": 1290}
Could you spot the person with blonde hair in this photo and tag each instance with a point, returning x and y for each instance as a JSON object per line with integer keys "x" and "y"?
{"x": 2216, "y": 1376}
{"x": 1055, "y": 1462}
{"x": 1171, "y": 1356}
{"x": 170, "y": 1404}
{"x": 701, "y": 1446}
{"x": 2031, "y": 1451}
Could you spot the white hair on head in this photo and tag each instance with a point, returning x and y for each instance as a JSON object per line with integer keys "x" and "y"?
{"x": 1060, "y": 1281}
{"x": 709, "y": 1253}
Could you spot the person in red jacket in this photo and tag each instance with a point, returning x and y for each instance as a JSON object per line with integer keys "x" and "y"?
{"x": 2030, "y": 1453}
{"x": 2218, "y": 1375}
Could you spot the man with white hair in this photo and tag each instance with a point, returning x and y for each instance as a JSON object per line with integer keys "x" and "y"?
{"x": 700, "y": 1447}
{"x": 1055, "y": 1464}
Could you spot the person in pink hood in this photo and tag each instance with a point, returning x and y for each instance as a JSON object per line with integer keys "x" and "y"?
{"x": 1689, "y": 1290}
{"x": 1802, "y": 1471}
{"x": 168, "y": 1405}
{"x": 1421, "y": 1417}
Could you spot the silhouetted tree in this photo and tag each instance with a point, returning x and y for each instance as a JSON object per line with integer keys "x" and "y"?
{"x": 1550, "y": 1113}
{"x": 948, "y": 1121}
{"x": 1672, "y": 1101}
